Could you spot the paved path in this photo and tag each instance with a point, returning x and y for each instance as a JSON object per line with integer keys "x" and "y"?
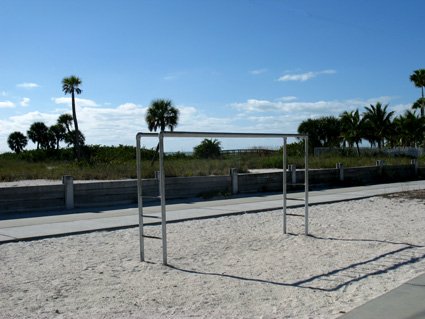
{"x": 406, "y": 301}
{"x": 79, "y": 221}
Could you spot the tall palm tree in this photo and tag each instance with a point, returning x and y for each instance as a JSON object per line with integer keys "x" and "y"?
{"x": 378, "y": 123}
{"x": 162, "y": 114}
{"x": 351, "y": 127}
{"x": 70, "y": 85}
{"x": 418, "y": 78}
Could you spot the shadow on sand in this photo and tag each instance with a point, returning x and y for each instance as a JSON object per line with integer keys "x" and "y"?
{"x": 341, "y": 277}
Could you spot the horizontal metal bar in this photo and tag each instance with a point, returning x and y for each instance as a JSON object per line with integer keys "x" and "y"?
{"x": 152, "y": 237}
{"x": 151, "y": 216}
{"x": 140, "y": 134}
{"x": 221, "y": 134}
{"x": 300, "y": 199}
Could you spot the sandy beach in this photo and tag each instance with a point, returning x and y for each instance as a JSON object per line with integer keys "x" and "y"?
{"x": 229, "y": 267}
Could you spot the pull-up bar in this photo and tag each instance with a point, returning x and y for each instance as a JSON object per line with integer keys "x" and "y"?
{"x": 162, "y": 135}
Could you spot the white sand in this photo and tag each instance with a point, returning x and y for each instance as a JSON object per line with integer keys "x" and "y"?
{"x": 230, "y": 267}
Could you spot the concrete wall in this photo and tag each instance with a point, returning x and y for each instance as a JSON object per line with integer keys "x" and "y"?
{"x": 96, "y": 194}
{"x": 125, "y": 192}
{"x": 105, "y": 193}
{"x": 260, "y": 182}
{"x": 31, "y": 198}
{"x": 198, "y": 186}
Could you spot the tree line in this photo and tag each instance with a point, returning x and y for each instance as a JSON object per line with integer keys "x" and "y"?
{"x": 44, "y": 137}
{"x": 50, "y": 137}
{"x": 376, "y": 125}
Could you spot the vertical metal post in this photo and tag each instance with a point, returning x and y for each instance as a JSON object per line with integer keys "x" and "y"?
{"x": 306, "y": 186}
{"x": 285, "y": 161}
{"x": 140, "y": 199}
{"x": 234, "y": 181}
{"x": 415, "y": 164}
{"x": 340, "y": 168}
{"x": 162, "y": 194}
{"x": 68, "y": 182}
{"x": 293, "y": 170}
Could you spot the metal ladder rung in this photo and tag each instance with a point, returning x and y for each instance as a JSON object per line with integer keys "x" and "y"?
{"x": 152, "y": 237}
{"x": 300, "y": 199}
{"x": 151, "y": 216}
{"x": 154, "y": 197}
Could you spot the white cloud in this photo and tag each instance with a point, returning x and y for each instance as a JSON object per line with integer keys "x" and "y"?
{"x": 128, "y": 106}
{"x": 120, "y": 124}
{"x": 5, "y": 104}
{"x": 193, "y": 120}
{"x": 22, "y": 123}
{"x": 25, "y": 101}
{"x": 106, "y": 126}
{"x": 304, "y": 76}
{"x": 28, "y": 85}
{"x": 258, "y": 71}
{"x": 282, "y": 116}
{"x": 316, "y": 107}
{"x": 78, "y": 101}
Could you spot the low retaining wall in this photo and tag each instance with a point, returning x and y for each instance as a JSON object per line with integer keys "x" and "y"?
{"x": 31, "y": 198}
{"x": 125, "y": 192}
{"x": 97, "y": 194}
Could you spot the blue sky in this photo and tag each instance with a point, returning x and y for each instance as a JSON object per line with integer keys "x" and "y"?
{"x": 234, "y": 65}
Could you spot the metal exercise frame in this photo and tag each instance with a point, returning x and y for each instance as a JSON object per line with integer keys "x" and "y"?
{"x": 161, "y": 137}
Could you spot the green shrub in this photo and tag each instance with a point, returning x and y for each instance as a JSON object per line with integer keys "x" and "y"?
{"x": 209, "y": 148}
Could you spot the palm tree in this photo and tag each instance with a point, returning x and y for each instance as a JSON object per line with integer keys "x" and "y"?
{"x": 209, "y": 148}
{"x": 351, "y": 127}
{"x": 311, "y": 128}
{"x": 161, "y": 114}
{"x": 377, "y": 123}
{"x": 38, "y": 133}
{"x": 409, "y": 129}
{"x": 17, "y": 142}
{"x": 69, "y": 138}
{"x": 418, "y": 78}
{"x": 65, "y": 120}
{"x": 70, "y": 85}
{"x": 324, "y": 131}
{"x": 58, "y": 133}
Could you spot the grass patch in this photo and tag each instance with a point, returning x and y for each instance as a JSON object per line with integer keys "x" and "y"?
{"x": 113, "y": 163}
